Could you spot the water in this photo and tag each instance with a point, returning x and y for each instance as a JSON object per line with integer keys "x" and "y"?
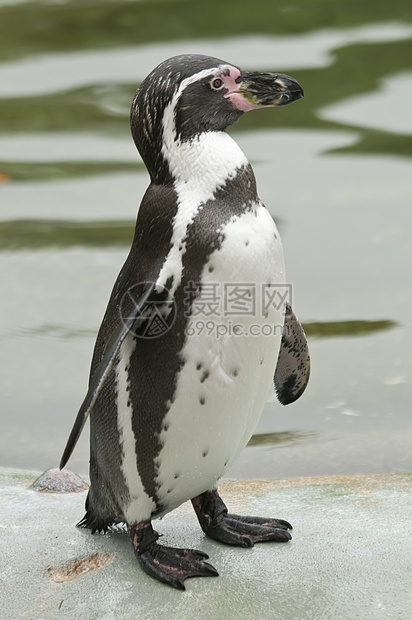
{"x": 333, "y": 169}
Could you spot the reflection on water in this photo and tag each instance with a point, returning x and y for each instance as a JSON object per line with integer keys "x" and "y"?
{"x": 371, "y": 110}
{"x": 313, "y": 330}
{"x": 64, "y": 72}
{"x": 25, "y": 234}
{"x": 286, "y": 438}
{"x": 346, "y": 328}
{"x": 71, "y": 181}
{"x": 22, "y": 171}
{"x": 59, "y": 332}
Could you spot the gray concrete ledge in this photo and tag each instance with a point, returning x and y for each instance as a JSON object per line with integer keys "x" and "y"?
{"x": 350, "y": 557}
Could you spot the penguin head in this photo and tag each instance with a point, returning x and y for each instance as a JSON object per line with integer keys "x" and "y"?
{"x": 191, "y": 94}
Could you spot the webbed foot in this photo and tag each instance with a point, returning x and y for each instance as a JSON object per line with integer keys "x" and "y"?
{"x": 234, "y": 529}
{"x": 167, "y": 564}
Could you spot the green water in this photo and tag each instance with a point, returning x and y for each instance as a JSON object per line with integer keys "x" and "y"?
{"x": 334, "y": 170}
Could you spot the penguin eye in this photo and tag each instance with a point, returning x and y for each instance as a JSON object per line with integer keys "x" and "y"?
{"x": 217, "y": 83}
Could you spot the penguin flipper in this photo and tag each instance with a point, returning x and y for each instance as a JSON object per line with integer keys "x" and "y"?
{"x": 103, "y": 369}
{"x": 293, "y": 366}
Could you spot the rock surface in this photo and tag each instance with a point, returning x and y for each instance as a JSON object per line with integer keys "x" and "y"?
{"x": 59, "y": 481}
{"x": 350, "y": 556}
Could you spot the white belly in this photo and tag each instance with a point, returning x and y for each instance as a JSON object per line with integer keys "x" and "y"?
{"x": 230, "y": 357}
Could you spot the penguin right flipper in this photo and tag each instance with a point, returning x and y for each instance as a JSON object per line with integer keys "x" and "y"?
{"x": 293, "y": 366}
{"x": 119, "y": 334}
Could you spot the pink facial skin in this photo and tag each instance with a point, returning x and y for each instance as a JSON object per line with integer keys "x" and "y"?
{"x": 240, "y": 103}
{"x": 233, "y": 94}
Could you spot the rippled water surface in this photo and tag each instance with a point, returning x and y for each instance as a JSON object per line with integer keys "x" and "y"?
{"x": 334, "y": 169}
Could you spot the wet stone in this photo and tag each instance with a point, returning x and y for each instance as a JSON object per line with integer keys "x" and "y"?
{"x": 59, "y": 481}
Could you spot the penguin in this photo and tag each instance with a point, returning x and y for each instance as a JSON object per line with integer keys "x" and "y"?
{"x": 197, "y": 329}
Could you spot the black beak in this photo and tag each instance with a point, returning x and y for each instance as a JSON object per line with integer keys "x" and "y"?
{"x": 268, "y": 89}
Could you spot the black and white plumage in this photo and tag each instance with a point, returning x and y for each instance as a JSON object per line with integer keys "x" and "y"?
{"x": 170, "y": 414}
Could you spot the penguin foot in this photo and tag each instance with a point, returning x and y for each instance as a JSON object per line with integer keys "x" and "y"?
{"x": 167, "y": 564}
{"x": 234, "y": 529}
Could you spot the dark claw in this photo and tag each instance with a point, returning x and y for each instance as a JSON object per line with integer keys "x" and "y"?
{"x": 235, "y": 529}
{"x": 278, "y": 524}
{"x": 168, "y": 564}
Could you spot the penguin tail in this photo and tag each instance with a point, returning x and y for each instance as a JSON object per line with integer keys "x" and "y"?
{"x": 95, "y": 522}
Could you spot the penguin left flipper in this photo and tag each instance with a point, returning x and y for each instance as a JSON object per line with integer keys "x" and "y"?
{"x": 238, "y": 530}
{"x": 125, "y": 326}
{"x": 293, "y": 365}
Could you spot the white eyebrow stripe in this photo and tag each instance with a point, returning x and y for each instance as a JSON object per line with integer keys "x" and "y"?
{"x": 198, "y": 76}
